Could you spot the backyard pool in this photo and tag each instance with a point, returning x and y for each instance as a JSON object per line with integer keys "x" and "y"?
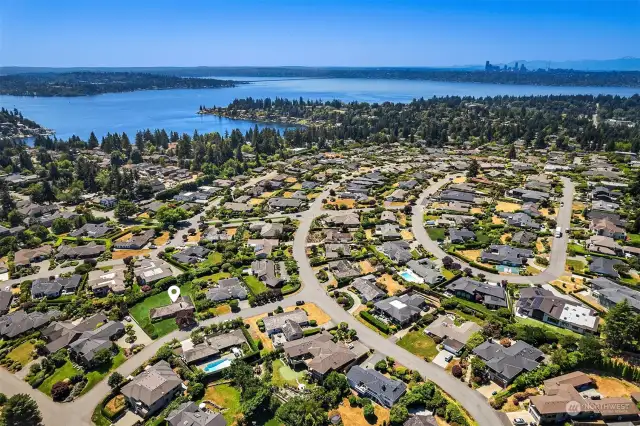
{"x": 411, "y": 276}
{"x": 217, "y": 365}
{"x": 508, "y": 269}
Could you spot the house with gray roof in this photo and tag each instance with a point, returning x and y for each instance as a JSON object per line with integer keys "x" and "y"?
{"x": 153, "y": 389}
{"x": 319, "y": 354}
{"x": 188, "y": 414}
{"x": 399, "y": 251}
{"x": 610, "y": 293}
{"x": 524, "y": 237}
{"x": 135, "y": 242}
{"x": 349, "y": 220}
{"x": 182, "y": 304}
{"x": 275, "y": 323}
{"x": 267, "y": 272}
{"x": 464, "y": 197}
{"x": 604, "y": 266}
{"x": 227, "y": 289}
{"x": 19, "y": 322}
{"x": 504, "y": 364}
{"x": 492, "y": 296}
{"x": 92, "y": 230}
{"x": 531, "y": 209}
{"x": 60, "y": 334}
{"x": 461, "y": 236}
{"x": 344, "y": 269}
{"x": 388, "y": 217}
{"x": 213, "y": 346}
{"x": 263, "y": 247}
{"x": 529, "y": 195}
{"x": 427, "y": 270}
{"x": 148, "y": 271}
{"x": 292, "y": 330}
{"x": 401, "y": 310}
{"x": 367, "y": 288}
{"x": 280, "y": 203}
{"x": 369, "y": 383}
{"x": 387, "y": 231}
{"x": 54, "y": 287}
{"x": 453, "y": 336}
{"x": 506, "y": 255}
{"x": 102, "y": 282}
{"x": 521, "y": 220}
{"x": 335, "y": 251}
{"x": 421, "y": 420}
{"x": 89, "y": 343}
{"x": 80, "y": 252}
{"x": 6, "y": 297}
{"x": 237, "y": 207}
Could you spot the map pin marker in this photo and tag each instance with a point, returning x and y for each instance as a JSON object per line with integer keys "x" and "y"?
{"x": 174, "y": 293}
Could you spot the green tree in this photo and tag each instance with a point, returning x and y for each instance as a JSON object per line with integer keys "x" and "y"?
{"x": 170, "y": 216}
{"x": 621, "y": 326}
{"x": 102, "y": 357}
{"x": 512, "y": 152}
{"x": 398, "y": 414}
{"x": 474, "y": 168}
{"x": 124, "y": 209}
{"x": 299, "y": 411}
{"x": 115, "y": 379}
{"x": 61, "y": 225}
{"x": 590, "y": 349}
{"x": 20, "y": 410}
{"x": 474, "y": 340}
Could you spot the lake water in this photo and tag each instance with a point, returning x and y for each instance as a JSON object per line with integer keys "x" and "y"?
{"x": 175, "y": 110}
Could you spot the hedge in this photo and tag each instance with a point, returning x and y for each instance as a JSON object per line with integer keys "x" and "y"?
{"x": 380, "y": 325}
{"x": 311, "y": 331}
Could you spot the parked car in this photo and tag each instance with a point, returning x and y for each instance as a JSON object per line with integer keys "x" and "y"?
{"x": 448, "y": 358}
{"x": 519, "y": 422}
{"x": 127, "y": 318}
{"x": 299, "y": 302}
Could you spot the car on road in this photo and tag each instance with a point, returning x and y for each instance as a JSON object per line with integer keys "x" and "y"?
{"x": 519, "y": 422}
{"x": 298, "y": 215}
{"x": 448, "y": 358}
{"x": 153, "y": 246}
{"x": 299, "y": 302}
{"x": 127, "y": 318}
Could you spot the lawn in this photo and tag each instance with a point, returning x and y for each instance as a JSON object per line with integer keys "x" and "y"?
{"x": 214, "y": 258}
{"x": 95, "y": 376}
{"x": 436, "y": 234}
{"x": 575, "y": 266}
{"x": 366, "y": 267}
{"x": 141, "y": 312}
{"x": 225, "y": 396}
{"x": 558, "y": 330}
{"x": 313, "y": 312}
{"x": 354, "y": 416}
{"x": 482, "y": 237}
{"x": 475, "y": 306}
{"x": 64, "y": 372}
{"x": 22, "y": 353}
{"x": 447, "y": 274}
{"x": 576, "y": 248}
{"x": 613, "y": 387}
{"x": 418, "y": 343}
{"x": 392, "y": 285}
{"x": 255, "y": 285}
{"x": 283, "y": 374}
{"x": 633, "y": 240}
{"x": 121, "y": 254}
{"x": 468, "y": 317}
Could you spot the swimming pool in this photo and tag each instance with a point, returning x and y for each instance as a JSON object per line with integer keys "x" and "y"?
{"x": 217, "y": 365}
{"x": 411, "y": 276}
{"x": 508, "y": 269}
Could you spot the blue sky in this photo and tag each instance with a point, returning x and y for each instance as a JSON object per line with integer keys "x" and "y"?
{"x": 313, "y": 33}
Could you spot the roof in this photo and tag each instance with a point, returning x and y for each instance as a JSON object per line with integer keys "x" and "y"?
{"x": 616, "y": 293}
{"x": 229, "y": 288}
{"x": 152, "y": 384}
{"x": 444, "y": 327}
{"x": 524, "y": 237}
{"x": 183, "y": 303}
{"x": 188, "y": 414}
{"x": 489, "y": 294}
{"x": 604, "y": 266}
{"x": 376, "y": 383}
{"x": 277, "y": 321}
{"x": 91, "y": 342}
{"x": 401, "y": 308}
{"x": 213, "y": 345}
{"x": 19, "y": 322}
{"x": 511, "y": 361}
{"x": 539, "y": 299}
{"x": 367, "y": 288}
{"x": 24, "y": 256}
{"x": 324, "y": 355}
{"x": 421, "y": 420}
{"x": 6, "y": 296}
{"x": 575, "y": 379}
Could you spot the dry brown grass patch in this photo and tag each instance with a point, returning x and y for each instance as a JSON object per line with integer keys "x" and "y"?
{"x": 121, "y": 254}
{"x": 406, "y": 235}
{"x": 125, "y": 237}
{"x": 392, "y": 285}
{"x": 613, "y": 387}
{"x": 507, "y": 207}
{"x": 366, "y": 267}
{"x": 162, "y": 239}
{"x": 314, "y": 312}
{"x": 354, "y": 416}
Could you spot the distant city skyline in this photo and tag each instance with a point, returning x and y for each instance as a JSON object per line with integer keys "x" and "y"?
{"x": 329, "y": 33}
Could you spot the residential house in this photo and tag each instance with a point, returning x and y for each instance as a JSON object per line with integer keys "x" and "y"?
{"x": 182, "y": 304}
{"x": 427, "y": 270}
{"x": 335, "y": 251}
{"x": 149, "y": 271}
{"x": 453, "y": 336}
{"x": 604, "y": 206}
{"x": 153, "y": 389}
{"x": 188, "y": 414}
{"x": 135, "y": 242}
{"x": 61, "y": 334}
{"x": 54, "y": 287}
{"x": 192, "y": 255}
{"x": 344, "y": 269}
{"x": 421, "y": 420}
{"x": 609, "y": 293}
{"x": 25, "y": 257}
{"x": 491, "y": 296}
{"x": 102, "y": 282}
{"x": 84, "y": 348}
{"x": 227, "y": 289}
{"x": 524, "y": 238}
{"x": 603, "y": 194}
{"x": 504, "y": 364}
{"x": 542, "y": 305}
{"x": 267, "y": 272}
{"x": 367, "y": 288}
{"x": 604, "y": 266}
{"x": 604, "y": 245}
{"x": 388, "y": 217}
{"x": 92, "y": 230}
{"x": 262, "y": 248}
{"x": 80, "y": 252}
{"x": 521, "y": 220}
{"x": 369, "y": 383}
{"x": 279, "y": 203}
{"x": 408, "y": 184}
{"x": 464, "y": 197}
{"x": 459, "y": 219}
{"x": 506, "y": 255}
{"x": 213, "y": 346}
{"x": 319, "y": 353}
{"x": 274, "y": 324}
{"x": 531, "y": 209}
{"x": 348, "y": 220}
{"x": 6, "y": 297}
{"x": 529, "y": 195}
{"x": 397, "y": 195}
{"x": 607, "y": 228}
{"x": 387, "y": 231}
{"x": 399, "y": 251}
{"x": 401, "y": 310}
{"x": 461, "y": 236}
{"x": 335, "y": 236}
{"x": 237, "y": 207}
{"x": 19, "y": 322}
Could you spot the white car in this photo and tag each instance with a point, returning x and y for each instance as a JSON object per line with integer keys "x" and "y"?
{"x": 519, "y": 422}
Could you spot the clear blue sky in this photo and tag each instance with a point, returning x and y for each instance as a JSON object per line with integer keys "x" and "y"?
{"x": 313, "y": 32}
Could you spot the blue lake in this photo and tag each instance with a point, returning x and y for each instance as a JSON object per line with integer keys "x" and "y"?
{"x": 175, "y": 110}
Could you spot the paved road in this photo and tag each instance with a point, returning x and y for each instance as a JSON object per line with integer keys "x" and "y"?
{"x": 78, "y": 412}
{"x": 558, "y": 253}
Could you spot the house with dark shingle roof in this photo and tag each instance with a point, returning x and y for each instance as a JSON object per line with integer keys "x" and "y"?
{"x": 188, "y": 414}
{"x": 18, "y": 322}
{"x": 367, "y": 288}
{"x": 398, "y": 251}
{"x": 401, "y": 309}
{"x": 524, "y": 237}
{"x": 610, "y": 293}
{"x": 461, "y": 236}
{"x": 504, "y": 364}
{"x": 371, "y": 384}
{"x": 227, "y": 289}
{"x": 604, "y": 266}
{"x": 319, "y": 353}
{"x": 52, "y": 288}
{"x": 492, "y": 296}
{"x": 153, "y": 389}
{"x": 506, "y": 255}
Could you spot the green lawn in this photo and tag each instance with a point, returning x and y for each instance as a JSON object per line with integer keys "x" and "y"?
{"x": 214, "y": 258}
{"x": 436, "y": 233}
{"x": 576, "y": 248}
{"x": 22, "y": 353}
{"x": 141, "y": 311}
{"x": 226, "y": 396}
{"x": 483, "y": 237}
{"x": 468, "y": 317}
{"x": 539, "y": 324}
{"x": 283, "y": 374}
{"x": 215, "y": 277}
{"x": 577, "y": 266}
{"x": 418, "y": 343}
{"x": 64, "y": 372}
{"x": 255, "y": 285}
{"x": 447, "y": 274}
{"x": 634, "y": 240}
{"x": 95, "y": 376}
{"x": 476, "y": 306}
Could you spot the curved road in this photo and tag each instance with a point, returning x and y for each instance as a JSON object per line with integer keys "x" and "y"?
{"x": 78, "y": 412}
{"x": 558, "y": 255}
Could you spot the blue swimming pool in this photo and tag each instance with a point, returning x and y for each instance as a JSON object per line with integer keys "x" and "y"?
{"x": 411, "y": 276}
{"x": 217, "y": 365}
{"x": 508, "y": 269}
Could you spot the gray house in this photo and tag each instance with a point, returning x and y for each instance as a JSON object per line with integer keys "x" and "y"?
{"x": 610, "y": 293}
{"x": 229, "y": 288}
{"x": 427, "y": 270}
{"x": 371, "y": 384}
{"x": 367, "y": 288}
{"x": 54, "y": 287}
{"x": 506, "y": 255}
{"x": 398, "y": 251}
{"x": 153, "y": 389}
{"x": 491, "y": 296}
{"x": 188, "y": 414}
{"x": 401, "y": 309}
{"x": 506, "y": 363}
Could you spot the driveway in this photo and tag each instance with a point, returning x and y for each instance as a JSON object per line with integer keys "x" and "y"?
{"x": 439, "y": 359}
{"x": 489, "y": 389}
{"x": 524, "y": 415}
